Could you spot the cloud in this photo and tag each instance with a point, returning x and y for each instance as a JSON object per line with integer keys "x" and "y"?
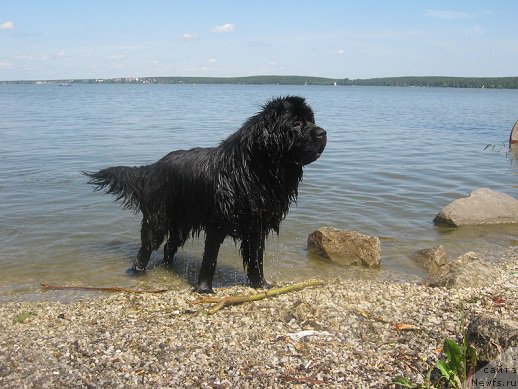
{"x": 30, "y": 57}
{"x": 451, "y": 15}
{"x": 189, "y": 36}
{"x": 212, "y": 60}
{"x": 228, "y": 27}
{"x": 116, "y": 56}
{"x": 7, "y": 26}
{"x": 194, "y": 70}
{"x": 340, "y": 51}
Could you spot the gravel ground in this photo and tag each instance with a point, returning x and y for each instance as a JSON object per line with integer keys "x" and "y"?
{"x": 343, "y": 334}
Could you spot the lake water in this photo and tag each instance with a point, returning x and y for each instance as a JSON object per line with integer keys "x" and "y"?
{"x": 395, "y": 157}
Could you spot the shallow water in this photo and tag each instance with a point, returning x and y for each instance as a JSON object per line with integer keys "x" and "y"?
{"x": 395, "y": 157}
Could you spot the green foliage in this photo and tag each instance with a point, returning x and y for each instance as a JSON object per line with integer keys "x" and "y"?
{"x": 23, "y": 316}
{"x": 443, "y": 82}
{"x": 406, "y": 383}
{"x": 460, "y": 359}
{"x": 453, "y": 367}
{"x": 455, "y": 370}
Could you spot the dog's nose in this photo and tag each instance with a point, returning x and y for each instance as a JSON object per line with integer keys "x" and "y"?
{"x": 319, "y": 133}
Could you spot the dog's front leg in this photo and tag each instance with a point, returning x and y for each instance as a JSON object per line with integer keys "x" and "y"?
{"x": 213, "y": 240}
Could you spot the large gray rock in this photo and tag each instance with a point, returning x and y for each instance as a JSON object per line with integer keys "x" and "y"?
{"x": 345, "y": 247}
{"x": 492, "y": 336}
{"x": 432, "y": 259}
{"x": 468, "y": 270}
{"x": 483, "y": 206}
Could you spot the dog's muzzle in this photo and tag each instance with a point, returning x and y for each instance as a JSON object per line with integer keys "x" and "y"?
{"x": 320, "y": 137}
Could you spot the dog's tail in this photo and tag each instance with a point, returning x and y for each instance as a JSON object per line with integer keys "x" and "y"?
{"x": 122, "y": 181}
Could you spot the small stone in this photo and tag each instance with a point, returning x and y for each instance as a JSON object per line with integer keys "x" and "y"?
{"x": 431, "y": 258}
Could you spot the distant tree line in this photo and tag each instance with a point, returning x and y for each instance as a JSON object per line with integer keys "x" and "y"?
{"x": 429, "y": 81}
{"x": 251, "y": 80}
{"x": 442, "y": 82}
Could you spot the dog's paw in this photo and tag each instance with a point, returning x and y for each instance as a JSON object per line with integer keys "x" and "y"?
{"x": 132, "y": 272}
{"x": 263, "y": 284}
{"x": 203, "y": 288}
{"x": 168, "y": 261}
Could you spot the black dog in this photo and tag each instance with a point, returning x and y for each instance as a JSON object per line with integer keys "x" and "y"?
{"x": 241, "y": 188}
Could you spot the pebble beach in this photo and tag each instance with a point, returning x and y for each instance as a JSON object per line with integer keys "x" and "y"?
{"x": 342, "y": 334}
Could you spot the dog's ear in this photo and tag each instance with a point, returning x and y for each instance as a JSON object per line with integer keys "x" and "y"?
{"x": 274, "y": 107}
{"x": 294, "y": 106}
{"x": 281, "y": 105}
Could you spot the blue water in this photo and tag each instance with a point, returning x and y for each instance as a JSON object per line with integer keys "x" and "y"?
{"x": 395, "y": 157}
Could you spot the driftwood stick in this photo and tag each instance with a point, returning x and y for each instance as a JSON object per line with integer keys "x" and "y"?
{"x": 109, "y": 289}
{"x": 221, "y": 302}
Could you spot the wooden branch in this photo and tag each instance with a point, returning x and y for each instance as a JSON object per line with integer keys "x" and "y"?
{"x": 93, "y": 289}
{"x": 303, "y": 380}
{"x": 221, "y": 302}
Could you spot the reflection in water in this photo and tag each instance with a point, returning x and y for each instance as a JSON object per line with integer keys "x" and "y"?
{"x": 513, "y": 153}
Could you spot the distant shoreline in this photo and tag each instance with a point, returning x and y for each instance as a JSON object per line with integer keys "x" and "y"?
{"x": 427, "y": 81}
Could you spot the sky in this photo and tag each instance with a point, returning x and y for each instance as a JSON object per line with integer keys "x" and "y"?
{"x": 225, "y": 38}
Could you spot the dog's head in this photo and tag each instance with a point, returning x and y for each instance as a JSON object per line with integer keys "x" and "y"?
{"x": 260, "y": 165}
{"x": 289, "y": 132}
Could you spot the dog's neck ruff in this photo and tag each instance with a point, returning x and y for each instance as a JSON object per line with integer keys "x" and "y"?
{"x": 252, "y": 188}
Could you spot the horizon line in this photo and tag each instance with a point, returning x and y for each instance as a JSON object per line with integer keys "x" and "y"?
{"x": 249, "y": 76}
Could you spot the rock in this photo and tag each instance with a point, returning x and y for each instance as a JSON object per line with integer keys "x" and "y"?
{"x": 492, "y": 336}
{"x": 468, "y": 270}
{"x": 431, "y": 259}
{"x": 345, "y": 247}
{"x": 483, "y": 206}
{"x": 513, "y": 137}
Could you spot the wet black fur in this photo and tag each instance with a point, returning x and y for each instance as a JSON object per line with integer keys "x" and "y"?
{"x": 241, "y": 188}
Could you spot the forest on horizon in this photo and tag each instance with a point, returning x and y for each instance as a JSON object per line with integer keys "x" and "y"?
{"x": 414, "y": 81}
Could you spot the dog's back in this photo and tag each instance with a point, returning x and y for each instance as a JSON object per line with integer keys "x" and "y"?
{"x": 181, "y": 185}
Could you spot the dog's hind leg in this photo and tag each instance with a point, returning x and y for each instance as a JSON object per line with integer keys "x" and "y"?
{"x": 252, "y": 250}
{"x": 213, "y": 240}
{"x": 175, "y": 240}
{"x": 151, "y": 236}
{"x": 170, "y": 249}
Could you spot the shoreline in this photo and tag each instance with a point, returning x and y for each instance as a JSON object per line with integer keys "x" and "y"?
{"x": 288, "y": 80}
{"x": 183, "y": 273}
{"x": 162, "y": 340}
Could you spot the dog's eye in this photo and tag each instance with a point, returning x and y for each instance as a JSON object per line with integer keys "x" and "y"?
{"x": 298, "y": 124}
